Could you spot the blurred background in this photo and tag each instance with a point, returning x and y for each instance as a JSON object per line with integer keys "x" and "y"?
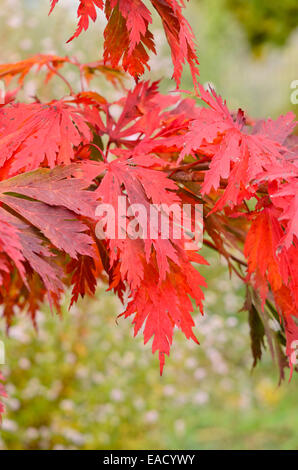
{"x": 82, "y": 381}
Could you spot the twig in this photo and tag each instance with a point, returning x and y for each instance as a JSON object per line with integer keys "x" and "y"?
{"x": 62, "y": 78}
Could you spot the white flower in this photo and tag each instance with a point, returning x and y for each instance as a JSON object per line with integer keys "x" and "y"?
{"x": 201, "y": 398}
{"x": 32, "y": 433}
{"x": 116, "y": 394}
{"x": 25, "y": 44}
{"x": 67, "y": 405}
{"x": 179, "y": 426}
{"x": 9, "y": 425}
{"x": 14, "y": 22}
{"x": 24, "y": 363}
{"x": 232, "y": 322}
{"x": 168, "y": 390}
{"x": 200, "y": 374}
{"x": 151, "y": 416}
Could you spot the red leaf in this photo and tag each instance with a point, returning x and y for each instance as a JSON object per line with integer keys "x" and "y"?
{"x": 267, "y": 264}
{"x": 84, "y": 279}
{"x": 37, "y": 227}
{"x": 86, "y": 10}
{"x": 286, "y": 197}
{"x": 161, "y": 307}
{"x": 158, "y": 271}
{"x": 263, "y": 262}
{"x": 127, "y": 35}
{"x": 236, "y": 155}
{"x": 36, "y": 134}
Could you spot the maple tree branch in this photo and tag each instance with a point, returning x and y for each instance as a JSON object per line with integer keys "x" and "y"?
{"x": 234, "y": 258}
{"x": 82, "y": 79}
{"x": 107, "y": 149}
{"x": 196, "y": 176}
{"x": 199, "y": 166}
{"x": 184, "y": 177}
{"x": 74, "y": 61}
{"x": 97, "y": 148}
{"x": 62, "y": 78}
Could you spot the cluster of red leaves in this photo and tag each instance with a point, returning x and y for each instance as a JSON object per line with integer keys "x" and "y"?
{"x": 52, "y": 64}
{"x": 60, "y": 159}
{"x": 128, "y": 38}
{"x": 255, "y": 162}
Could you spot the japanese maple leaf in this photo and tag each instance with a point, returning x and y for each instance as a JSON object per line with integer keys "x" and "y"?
{"x": 38, "y": 215}
{"x": 144, "y": 186}
{"x": 237, "y": 157}
{"x": 11, "y": 248}
{"x": 36, "y": 134}
{"x": 150, "y": 122}
{"x": 180, "y": 37}
{"x": 22, "y": 68}
{"x": 85, "y": 270}
{"x": 162, "y": 307}
{"x": 52, "y": 65}
{"x": 267, "y": 264}
{"x": 263, "y": 264}
{"x": 83, "y": 276}
{"x": 286, "y": 197}
{"x": 288, "y": 310}
{"x": 128, "y": 38}
{"x": 277, "y": 129}
{"x": 274, "y": 263}
{"x": 127, "y": 35}
{"x": 86, "y": 11}
{"x": 282, "y": 182}
{"x": 136, "y": 106}
{"x": 158, "y": 271}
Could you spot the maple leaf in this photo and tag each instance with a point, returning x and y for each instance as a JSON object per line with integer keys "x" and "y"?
{"x": 144, "y": 186}
{"x": 237, "y": 157}
{"x": 22, "y": 68}
{"x": 86, "y": 10}
{"x": 271, "y": 262}
{"x": 86, "y": 270}
{"x": 127, "y": 35}
{"x": 149, "y": 121}
{"x": 161, "y": 276}
{"x": 162, "y": 306}
{"x": 257, "y": 333}
{"x": 283, "y": 190}
{"x": 136, "y": 106}
{"x": 279, "y": 129}
{"x": 36, "y": 134}
{"x": 115, "y": 75}
{"x": 288, "y": 309}
{"x": 280, "y": 268}
{"x": 38, "y": 217}
{"x": 262, "y": 259}
{"x": 84, "y": 279}
{"x": 286, "y": 197}
{"x": 180, "y": 37}
{"x": 128, "y": 20}
{"x": 52, "y": 64}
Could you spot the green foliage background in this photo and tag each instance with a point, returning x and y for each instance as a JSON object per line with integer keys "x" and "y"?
{"x": 82, "y": 381}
